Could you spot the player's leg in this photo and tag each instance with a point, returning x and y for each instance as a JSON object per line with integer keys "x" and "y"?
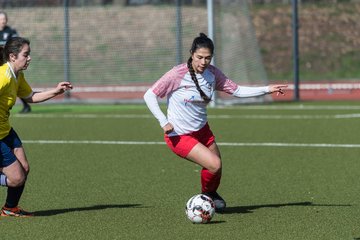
{"x": 21, "y": 156}
{"x": 15, "y": 174}
{"x": 15, "y": 181}
{"x": 209, "y": 159}
{"x": 14, "y": 193}
{"x": 209, "y": 181}
{"x": 14, "y": 171}
{"x": 190, "y": 148}
{"x": 211, "y": 163}
{"x": 215, "y": 149}
{"x": 206, "y": 158}
{"x": 218, "y": 200}
{"x": 200, "y": 147}
{"x": 11, "y": 167}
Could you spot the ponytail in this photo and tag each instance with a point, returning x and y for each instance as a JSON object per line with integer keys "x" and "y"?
{"x": 193, "y": 77}
{"x": 202, "y": 41}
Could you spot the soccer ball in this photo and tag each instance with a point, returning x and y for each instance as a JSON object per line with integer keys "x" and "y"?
{"x": 200, "y": 209}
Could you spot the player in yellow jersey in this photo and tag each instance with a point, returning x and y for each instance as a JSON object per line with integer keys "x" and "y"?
{"x": 7, "y": 32}
{"x": 14, "y": 166}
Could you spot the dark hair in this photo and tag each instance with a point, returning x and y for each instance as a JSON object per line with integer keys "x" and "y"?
{"x": 202, "y": 41}
{"x": 2, "y": 59}
{"x": 12, "y": 46}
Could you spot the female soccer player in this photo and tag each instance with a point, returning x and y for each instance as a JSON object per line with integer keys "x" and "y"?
{"x": 6, "y": 32}
{"x": 14, "y": 166}
{"x": 189, "y": 88}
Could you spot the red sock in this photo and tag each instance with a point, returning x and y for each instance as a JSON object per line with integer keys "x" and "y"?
{"x": 209, "y": 181}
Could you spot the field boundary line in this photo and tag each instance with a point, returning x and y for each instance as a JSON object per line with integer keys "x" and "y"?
{"x": 265, "y": 144}
{"x": 221, "y": 116}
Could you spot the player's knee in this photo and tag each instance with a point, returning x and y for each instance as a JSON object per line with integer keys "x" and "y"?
{"x": 16, "y": 180}
{"x": 215, "y": 167}
{"x": 215, "y": 170}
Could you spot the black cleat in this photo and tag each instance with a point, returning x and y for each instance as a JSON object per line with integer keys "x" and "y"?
{"x": 26, "y": 109}
{"x": 220, "y": 203}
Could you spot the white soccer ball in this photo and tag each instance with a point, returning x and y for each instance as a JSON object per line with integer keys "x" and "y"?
{"x": 200, "y": 209}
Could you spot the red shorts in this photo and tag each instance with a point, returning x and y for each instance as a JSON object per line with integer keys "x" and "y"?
{"x": 182, "y": 145}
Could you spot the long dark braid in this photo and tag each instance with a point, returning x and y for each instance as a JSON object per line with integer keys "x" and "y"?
{"x": 202, "y": 41}
{"x": 193, "y": 77}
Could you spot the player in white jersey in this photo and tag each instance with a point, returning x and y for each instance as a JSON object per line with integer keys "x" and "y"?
{"x": 189, "y": 88}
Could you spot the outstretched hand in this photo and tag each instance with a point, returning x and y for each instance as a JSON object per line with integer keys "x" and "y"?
{"x": 279, "y": 89}
{"x": 63, "y": 86}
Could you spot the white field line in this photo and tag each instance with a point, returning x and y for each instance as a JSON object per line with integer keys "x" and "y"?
{"x": 140, "y": 116}
{"x": 302, "y": 86}
{"x": 293, "y": 107}
{"x": 314, "y": 145}
{"x": 296, "y": 107}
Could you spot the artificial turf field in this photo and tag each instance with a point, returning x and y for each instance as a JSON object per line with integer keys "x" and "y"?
{"x": 290, "y": 171}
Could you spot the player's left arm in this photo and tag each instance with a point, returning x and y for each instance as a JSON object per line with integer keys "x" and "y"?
{"x": 225, "y": 84}
{"x": 37, "y": 97}
{"x": 278, "y": 89}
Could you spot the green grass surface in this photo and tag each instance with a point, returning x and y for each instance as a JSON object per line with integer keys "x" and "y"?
{"x": 108, "y": 190}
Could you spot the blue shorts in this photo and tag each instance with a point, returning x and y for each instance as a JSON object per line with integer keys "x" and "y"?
{"x": 7, "y": 145}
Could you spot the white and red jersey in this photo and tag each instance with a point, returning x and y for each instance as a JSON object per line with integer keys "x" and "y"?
{"x": 186, "y": 110}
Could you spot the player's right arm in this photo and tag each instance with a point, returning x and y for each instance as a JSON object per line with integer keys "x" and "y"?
{"x": 151, "y": 101}
{"x": 162, "y": 87}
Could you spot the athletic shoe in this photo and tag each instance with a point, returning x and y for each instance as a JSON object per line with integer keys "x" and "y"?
{"x": 220, "y": 203}
{"x": 26, "y": 109}
{"x": 15, "y": 212}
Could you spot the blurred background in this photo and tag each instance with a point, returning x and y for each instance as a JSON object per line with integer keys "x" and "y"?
{"x": 113, "y": 50}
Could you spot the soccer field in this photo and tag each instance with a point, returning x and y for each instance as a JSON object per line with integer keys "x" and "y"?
{"x": 290, "y": 171}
